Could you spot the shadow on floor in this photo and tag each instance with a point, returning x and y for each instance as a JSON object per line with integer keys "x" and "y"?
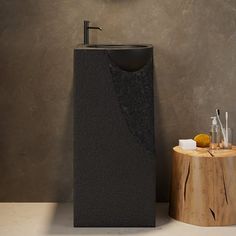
{"x": 62, "y": 223}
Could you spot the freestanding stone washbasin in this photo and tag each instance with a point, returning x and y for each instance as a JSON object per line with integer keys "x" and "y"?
{"x": 114, "y": 161}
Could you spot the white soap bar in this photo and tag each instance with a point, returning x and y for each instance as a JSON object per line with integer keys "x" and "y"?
{"x": 187, "y": 144}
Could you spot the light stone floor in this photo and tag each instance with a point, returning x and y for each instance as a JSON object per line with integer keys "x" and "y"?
{"x": 38, "y": 219}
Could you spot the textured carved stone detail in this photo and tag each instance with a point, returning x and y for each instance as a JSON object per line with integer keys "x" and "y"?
{"x": 135, "y": 95}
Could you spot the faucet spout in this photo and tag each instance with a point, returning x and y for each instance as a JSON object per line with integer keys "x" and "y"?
{"x": 95, "y": 27}
{"x": 86, "y": 31}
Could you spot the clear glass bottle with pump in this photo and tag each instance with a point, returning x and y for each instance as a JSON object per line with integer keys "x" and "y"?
{"x": 214, "y": 134}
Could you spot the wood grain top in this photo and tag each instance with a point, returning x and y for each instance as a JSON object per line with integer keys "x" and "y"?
{"x": 205, "y": 152}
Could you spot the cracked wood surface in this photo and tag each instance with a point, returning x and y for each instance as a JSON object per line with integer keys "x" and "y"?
{"x": 203, "y": 186}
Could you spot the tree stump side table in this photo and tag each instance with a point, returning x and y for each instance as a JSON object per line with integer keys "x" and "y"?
{"x": 203, "y": 187}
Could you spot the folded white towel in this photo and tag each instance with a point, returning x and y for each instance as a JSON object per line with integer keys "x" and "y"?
{"x": 187, "y": 144}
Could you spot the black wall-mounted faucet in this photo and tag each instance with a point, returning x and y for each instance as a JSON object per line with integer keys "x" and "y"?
{"x": 86, "y": 31}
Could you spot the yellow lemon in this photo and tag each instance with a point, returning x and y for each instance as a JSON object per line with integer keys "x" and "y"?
{"x": 203, "y": 140}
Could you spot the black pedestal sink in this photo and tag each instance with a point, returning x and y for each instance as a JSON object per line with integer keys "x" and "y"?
{"x": 127, "y": 57}
{"x": 114, "y": 161}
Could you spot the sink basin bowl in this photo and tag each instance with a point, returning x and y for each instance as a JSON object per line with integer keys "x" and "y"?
{"x": 130, "y": 57}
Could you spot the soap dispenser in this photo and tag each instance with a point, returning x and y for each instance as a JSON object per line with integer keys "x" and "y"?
{"x": 214, "y": 134}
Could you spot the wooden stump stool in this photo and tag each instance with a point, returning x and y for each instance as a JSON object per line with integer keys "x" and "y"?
{"x": 203, "y": 187}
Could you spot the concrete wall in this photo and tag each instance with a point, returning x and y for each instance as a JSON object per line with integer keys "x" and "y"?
{"x": 195, "y": 58}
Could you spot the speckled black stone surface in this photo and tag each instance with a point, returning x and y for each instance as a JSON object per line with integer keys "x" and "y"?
{"x": 114, "y": 162}
{"x": 135, "y": 95}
